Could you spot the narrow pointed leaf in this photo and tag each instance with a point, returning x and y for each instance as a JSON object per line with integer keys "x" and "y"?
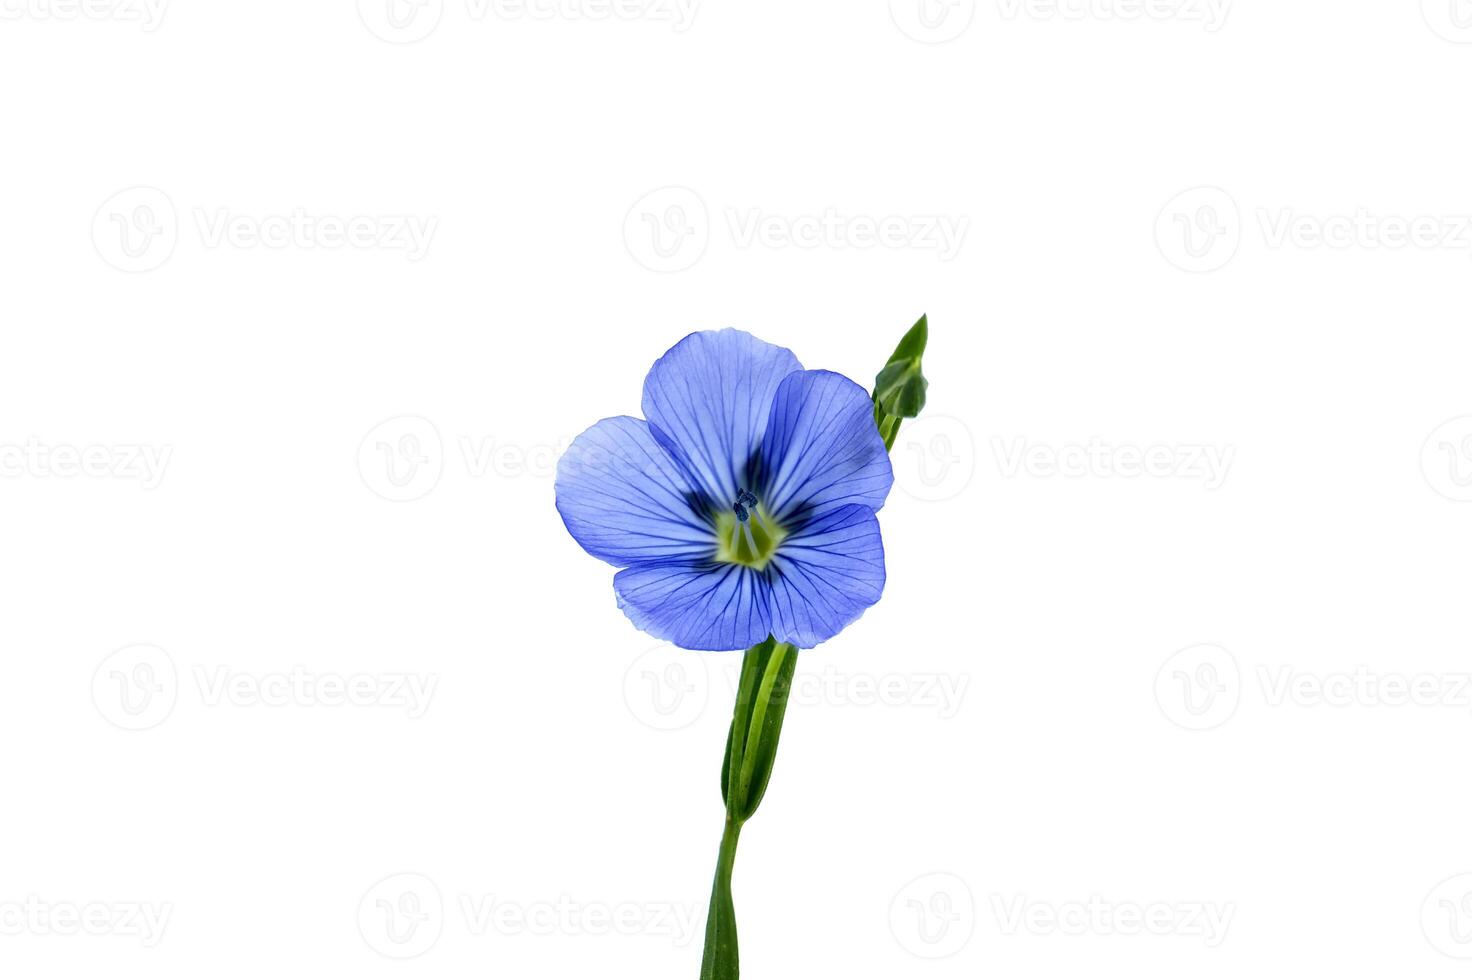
{"x": 752, "y": 665}
{"x": 768, "y": 712}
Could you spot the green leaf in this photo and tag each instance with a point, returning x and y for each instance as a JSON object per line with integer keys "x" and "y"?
{"x": 751, "y": 669}
{"x": 768, "y": 712}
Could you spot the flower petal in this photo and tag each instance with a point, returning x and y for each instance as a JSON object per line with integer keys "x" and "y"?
{"x": 821, "y": 449}
{"x": 708, "y": 399}
{"x": 826, "y": 575}
{"x": 624, "y": 500}
{"x": 698, "y": 605}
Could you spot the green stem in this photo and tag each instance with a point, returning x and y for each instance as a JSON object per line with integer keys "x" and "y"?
{"x": 721, "y": 961}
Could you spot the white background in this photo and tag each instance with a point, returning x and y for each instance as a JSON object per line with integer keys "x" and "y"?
{"x": 1185, "y": 238}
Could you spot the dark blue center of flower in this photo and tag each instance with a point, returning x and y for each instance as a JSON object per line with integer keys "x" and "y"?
{"x": 744, "y": 499}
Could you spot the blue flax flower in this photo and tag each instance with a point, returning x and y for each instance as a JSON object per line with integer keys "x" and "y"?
{"x": 745, "y": 504}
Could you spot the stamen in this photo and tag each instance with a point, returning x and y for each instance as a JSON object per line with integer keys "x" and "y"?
{"x": 743, "y": 518}
{"x": 759, "y": 535}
